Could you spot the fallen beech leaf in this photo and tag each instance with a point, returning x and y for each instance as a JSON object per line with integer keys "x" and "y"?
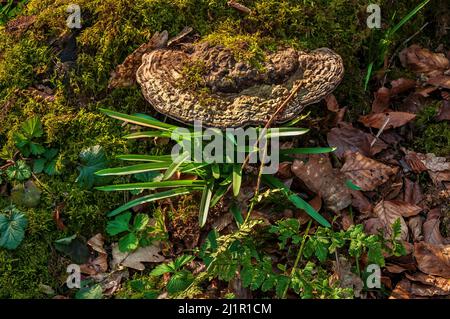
{"x": 431, "y": 230}
{"x": 365, "y": 172}
{"x": 135, "y": 260}
{"x": 395, "y": 269}
{"x": 441, "y": 285}
{"x": 413, "y": 160}
{"x": 402, "y": 85}
{"x": 414, "y": 103}
{"x": 372, "y": 225}
{"x": 389, "y": 211}
{"x": 415, "y": 225}
{"x": 347, "y": 138}
{"x": 427, "y": 291}
{"x": 433, "y": 259}
{"x": 19, "y": 25}
{"x": 413, "y": 192}
{"x": 438, "y": 167}
{"x": 393, "y": 119}
{"x": 347, "y": 220}
{"x": 402, "y": 290}
{"x": 97, "y": 242}
{"x": 444, "y": 112}
{"x": 347, "y": 279}
{"x": 422, "y": 60}
{"x": 440, "y": 81}
{"x": 332, "y": 103}
{"x": 361, "y": 203}
{"x": 381, "y": 101}
{"x": 319, "y": 176}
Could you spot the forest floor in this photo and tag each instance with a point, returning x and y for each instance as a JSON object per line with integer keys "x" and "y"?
{"x": 384, "y": 191}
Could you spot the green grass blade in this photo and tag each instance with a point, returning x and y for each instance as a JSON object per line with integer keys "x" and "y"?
{"x": 146, "y": 158}
{"x": 205, "y": 204}
{"x": 151, "y": 198}
{"x": 408, "y": 17}
{"x": 180, "y": 160}
{"x": 307, "y": 150}
{"x": 286, "y": 131}
{"x": 138, "y": 120}
{"x": 221, "y": 190}
{"x": 133, "y": 169}
{"x": 148, "y": 134}
{"x": 151, "y": 185}
{"x": 295, "y": 199}
{"x": 368, "y": 76}
{"x": 215, "y": 170}
{"x": 237, "y": 179}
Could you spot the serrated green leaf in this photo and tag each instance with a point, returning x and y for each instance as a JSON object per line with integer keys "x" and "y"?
{"x": 92, "y": 160}
{"x": 128, "y": 242}
{"x": 119, "y": 224}
{"x": 19, "y": 171}
{"x": 161, "y": 270}
{"x": 94, "y": 292}
{"x": 140, "y": 222}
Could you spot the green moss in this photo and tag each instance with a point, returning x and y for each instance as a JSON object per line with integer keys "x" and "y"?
{"x": 431, "y": 136}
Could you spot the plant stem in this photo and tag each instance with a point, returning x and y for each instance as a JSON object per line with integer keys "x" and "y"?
{"x": 299, "y": 254}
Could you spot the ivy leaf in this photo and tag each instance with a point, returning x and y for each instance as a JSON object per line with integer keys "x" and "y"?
{"x": 92, "y": 159}
{"x": 119, "y": 224}
{"x": 128, "y": 242}
{"x": 12, "y": 228}
{"x": 19, "y": 171}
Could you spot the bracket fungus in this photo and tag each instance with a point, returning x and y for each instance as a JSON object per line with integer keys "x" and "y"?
{"x": 231, "y": 92}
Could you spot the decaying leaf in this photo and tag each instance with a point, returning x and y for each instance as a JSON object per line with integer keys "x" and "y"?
{"x": 19, "y": 25}
{"x": 319, "y": 176}
{"x": 135, "y": 260}
{"x": 437, "y": 167}
{"x": 402, "y": 290}
{"x": 415, "y": 225}
{"x": 413, "y": 192}
{"x": 390, "y": 211}
{"x": 440, "y": 81}
{"x": 332, "y": 103}
{"x": 402, "y": 85}
{"x": 347, "y": 279}
{"x": 387, "y": 120}
{"x": 444, "y": 111}
{"x": 420, "y": 60}
{"x": 431, "y": 231}
{"x": 365, "y": 172}
{"x": 433, "y": 259}
{"x": 97, "y": 242}
{"x": 381, "y": 101}
{"x": 429, "y": 285}
{"x": 347, "y": 138}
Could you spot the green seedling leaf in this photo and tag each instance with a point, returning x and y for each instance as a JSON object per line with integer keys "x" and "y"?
{"x": 140, "y": 222}
{"x": 237, "y": 179}
{"x": 205, "y": 204}
{"x": 128, "y": 242}
{"x": 19, "y": 171}
{"x": 119, "y": 225}
{"x": 12, "y": 227}
{"x": 92, "y": 159}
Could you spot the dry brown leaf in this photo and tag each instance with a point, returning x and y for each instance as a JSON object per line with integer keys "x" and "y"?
{"x": 402, "y": 290}
{"x": 360, "y": 202}
{"x": 433, "y": 259}
{"x": 422, "y": 60}
{"x": 332, "y": 103}
{"x": 19, "y": 25}
{"x": 390, "y": 211}
{"x": 414, "y": 103}
{"x": 97, "y": 242}
{"x": 365, "y": 172}
{"x": 387, "y": 119}
{"x": 381, "y": 101}
{"x": 413, "y": 160}
{"x": 347, "y": 138}
{"x": 125, "y": 74}
{"x": 319, "y": 176}
{"x": 413, "y": 192}
{"x": 135, "y": 260}
{"x": 440, "y": 81}
{"x": 415, "y": 225}
{"x": 402, "y": 85}
{"x": 439, "y": 285}
{"x": 347, "y": 220}
{"x": 395, "y": 269}
{"x": 347, "y": 279}
{"x": 431, "y": 228}
{"x": 444, "y": 112}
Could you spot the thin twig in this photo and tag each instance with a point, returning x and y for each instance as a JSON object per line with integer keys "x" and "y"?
{"x": 239, "y": 7}
{"x": 380, "y": 131}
